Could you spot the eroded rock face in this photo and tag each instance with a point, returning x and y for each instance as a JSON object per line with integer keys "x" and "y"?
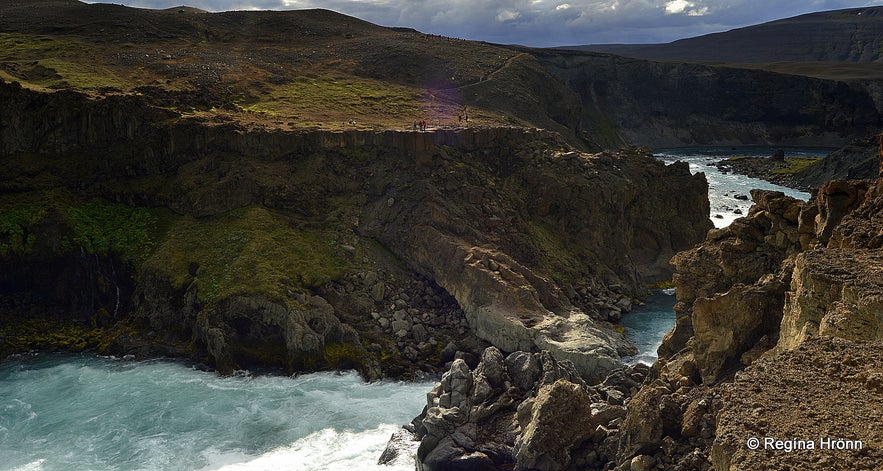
{"x": 515, "y": 288}
{"x": 784, "y": 297}
{"x": 748, "y": 253}
{"x": 834, "y": 293}
{"x": 522, "y": 411}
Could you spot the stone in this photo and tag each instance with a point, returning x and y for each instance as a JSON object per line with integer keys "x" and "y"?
{"x": 419, "y": 333}
{"x": 400, "y": 326}
{"x": 603, "y": 413}
{"x": 400, "y": 449}
{"x": 378, "y": 291}
{"x": 524, "y": 369}
{"x": 460, "y": 379}
{"x": 492, "y": 367}
{"x": 642, "y": 463}
{"x": 559, "y": 421}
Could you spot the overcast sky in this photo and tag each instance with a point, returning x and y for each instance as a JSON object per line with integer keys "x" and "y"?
{"x": 545, "y": 22}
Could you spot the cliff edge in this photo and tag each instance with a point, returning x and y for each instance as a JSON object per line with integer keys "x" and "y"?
{"x": 380, "y": 250}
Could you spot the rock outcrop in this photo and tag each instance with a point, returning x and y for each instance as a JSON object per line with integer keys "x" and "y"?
{"x": 317, "y": 249}
{"x": 524, "y": 410}
{"x": 782, "y": 306}
{"x": 856, "y": 161}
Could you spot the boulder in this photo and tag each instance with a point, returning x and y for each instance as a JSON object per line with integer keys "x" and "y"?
{"x": 560, "y": 419}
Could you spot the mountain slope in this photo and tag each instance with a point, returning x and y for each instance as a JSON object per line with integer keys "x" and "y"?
{"x": 276, "y": 69}
{"x": 835, "y": 45}
{"x": 851, "y": 35}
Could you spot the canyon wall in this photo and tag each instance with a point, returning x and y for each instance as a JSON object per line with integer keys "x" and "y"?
{"x": 673, "y": 104}
{"x": 778, "y": 338}
{"x": 320, "y": 249}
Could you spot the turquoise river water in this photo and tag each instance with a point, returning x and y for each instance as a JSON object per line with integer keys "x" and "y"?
{"x": 84, "y": 412}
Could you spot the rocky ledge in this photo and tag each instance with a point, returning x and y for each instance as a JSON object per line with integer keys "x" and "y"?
{"x": 386, "y": 251}
{"x": 768, "y": 309}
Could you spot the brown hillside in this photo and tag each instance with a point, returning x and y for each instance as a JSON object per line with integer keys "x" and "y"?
{"x": 283, "y": 69}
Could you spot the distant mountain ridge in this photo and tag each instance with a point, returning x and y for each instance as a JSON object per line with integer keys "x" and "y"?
{"x": 849, "y": 35}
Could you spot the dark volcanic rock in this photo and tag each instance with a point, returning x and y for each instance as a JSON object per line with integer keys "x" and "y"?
{"x": 413, "y": 239}
{"x": 857, "y": 161}
{"x": 527, "y": 411}
{"x": 669, "y": 104}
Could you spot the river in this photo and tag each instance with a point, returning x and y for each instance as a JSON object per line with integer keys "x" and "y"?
{"x": 64, "y": 412}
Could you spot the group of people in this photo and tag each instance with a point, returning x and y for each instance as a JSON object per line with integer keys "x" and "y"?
{"x": 421, "y": 125}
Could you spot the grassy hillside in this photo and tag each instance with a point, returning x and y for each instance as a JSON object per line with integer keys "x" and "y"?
{"x": 313, "y": 69}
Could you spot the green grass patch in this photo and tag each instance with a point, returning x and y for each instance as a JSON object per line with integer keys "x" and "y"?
{"x": 101, "y": 228}
{"x": 18, "y": 226}
{"x": 344, "y": 356}
{"x": 337, "y": 99}
{"x": 51, "y": 62}
{"x": 796, "y": 164}
{"x": 664, "y": 284}
{"x": 247, "y": 251}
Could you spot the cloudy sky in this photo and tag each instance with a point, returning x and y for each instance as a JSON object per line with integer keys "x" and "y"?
{"x": 545, "y": 22}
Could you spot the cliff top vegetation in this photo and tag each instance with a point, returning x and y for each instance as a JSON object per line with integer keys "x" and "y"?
{"x": 288, "y": 70}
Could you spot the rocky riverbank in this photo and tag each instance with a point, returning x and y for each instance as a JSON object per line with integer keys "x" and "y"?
{"x": 781, "y": 171}
{"x": 777, "y": 339}
{"x": 856, "y": 161}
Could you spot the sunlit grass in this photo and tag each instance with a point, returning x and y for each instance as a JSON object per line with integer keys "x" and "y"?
{"x": 46, "y": 62}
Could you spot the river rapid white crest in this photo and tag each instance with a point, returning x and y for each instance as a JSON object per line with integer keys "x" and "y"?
{"x": 63, "y": 412}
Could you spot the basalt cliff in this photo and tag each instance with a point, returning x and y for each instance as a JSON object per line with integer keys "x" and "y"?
{"x": 384, "y": 251}
{"x": 775, "y": 362}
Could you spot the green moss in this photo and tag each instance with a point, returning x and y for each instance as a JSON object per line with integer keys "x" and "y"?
{"x": 264, "y": 353}
{"x": 246, "y": 251}
{"x": 344, "y": 356}
{"x": 47, "y": 333}
{"x": 388, "y": 254}
{"x": 101, "y": 228}
{"x": 796, "y": 164}
{"x": 664, "y": 284}
{"x": 17, "y": 229}
{"x": 562, "y": 260}
{"x": 96, "y": 226}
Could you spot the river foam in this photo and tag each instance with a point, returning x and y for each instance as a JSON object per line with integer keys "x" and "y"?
{"x": 62, "y": 412}
{"x": 724, "y": 187}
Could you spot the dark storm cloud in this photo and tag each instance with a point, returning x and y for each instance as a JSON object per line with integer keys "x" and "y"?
{"x": 545, "y": 22}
